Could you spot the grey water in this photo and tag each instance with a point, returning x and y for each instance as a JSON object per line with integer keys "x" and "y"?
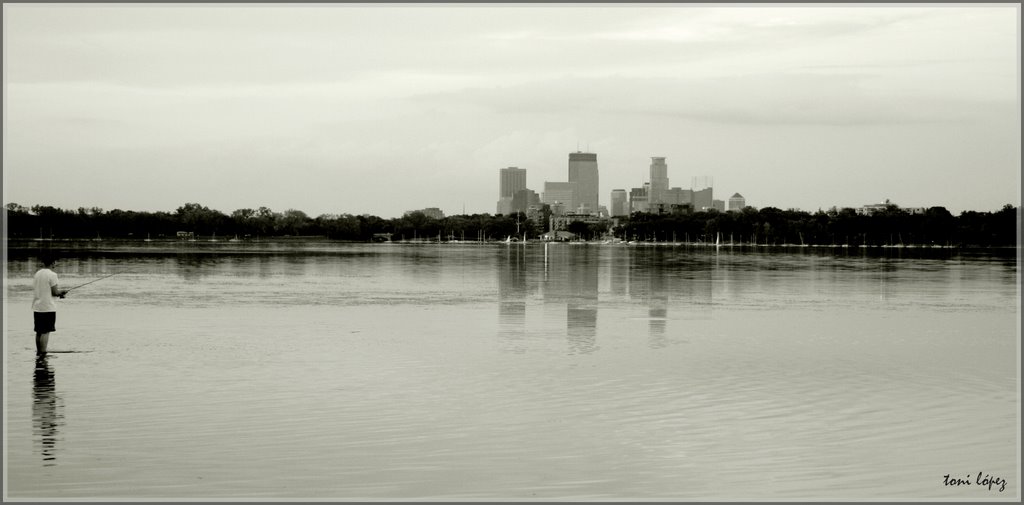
{"x": 515, "y": 372}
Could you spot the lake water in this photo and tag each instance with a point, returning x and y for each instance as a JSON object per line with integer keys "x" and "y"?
{"x": 515, "y": 372}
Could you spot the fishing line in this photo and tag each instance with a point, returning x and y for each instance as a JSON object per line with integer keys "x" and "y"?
{"x": 92, "y": 281}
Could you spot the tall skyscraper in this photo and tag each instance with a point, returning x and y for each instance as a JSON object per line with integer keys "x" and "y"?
{"x": 659, "y": 181}
{"x": 620, "y": 203}
{"x": 583, "y": 171}
{"x": 510, "y": 180}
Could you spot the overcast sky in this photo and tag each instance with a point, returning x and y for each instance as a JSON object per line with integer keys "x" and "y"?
{"x": 382, "y": 109}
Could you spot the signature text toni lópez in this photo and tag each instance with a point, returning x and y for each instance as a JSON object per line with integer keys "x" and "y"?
{"x": 987, "y": 480}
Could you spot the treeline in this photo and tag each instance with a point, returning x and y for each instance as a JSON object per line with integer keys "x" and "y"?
{"x": 55, "y": 223}
{"x": 772, "y": 226}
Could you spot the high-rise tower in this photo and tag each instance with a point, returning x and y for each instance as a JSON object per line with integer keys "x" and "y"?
{"x": 659, "y": 181}
{"x": 583, "y": 171}
{"x": 510, "y": 180}
{"x": 619, "y": 203}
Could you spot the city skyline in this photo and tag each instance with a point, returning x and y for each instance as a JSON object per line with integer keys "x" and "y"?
{"x": 317, "y": 108}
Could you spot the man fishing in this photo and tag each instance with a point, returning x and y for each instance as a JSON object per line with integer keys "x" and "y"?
{"x": 44, "y": 308}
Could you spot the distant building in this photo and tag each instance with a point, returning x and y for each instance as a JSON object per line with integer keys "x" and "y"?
{"x": 658, "y": 181}
{"x": 504, "y": 206}
{"x": 702, "y": 199}
{"x": 718, "y": 205}
{"x": 560, "y": 236}
{"x": 702, "y": 193}
{"x": 873, "y": 208}
{"x": 659, "y": 208}
{"x": 737, "y": 202}
{"x": 583, "y": 172}
{"x": 535, "y": 213}
{"x": 679, "y": 196}
{"x": 431, "y": 212}
{"x": 562, "y": 222}
{"x": 620, "y": 203}
{"x": 638, "y": 200}
{"x": 564, "y": 193}
{"x": 523, "y": 199}
{"x": 510, "y": 180}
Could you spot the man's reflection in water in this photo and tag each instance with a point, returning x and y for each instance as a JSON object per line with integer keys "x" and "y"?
{"x": 46, "y": 410}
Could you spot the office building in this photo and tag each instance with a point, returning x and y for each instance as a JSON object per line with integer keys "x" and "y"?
{"x": 702, "y": 199}
{"x": 737, "y": 202}
{"x": 638, "y": 200}
{"x": 504, "y": 206}
{"x": 510, "y": 180}
{"x": 620, "y": 203}
{"x": 679, "y": 196}
{"x": 523, "y": 199}
{"x": 658, "y": 181}
{"x": 718, "y": 205}
{"x": 564, "y": 194}
{"x": 583, "y": 172}
{"x": 702, "y": 193}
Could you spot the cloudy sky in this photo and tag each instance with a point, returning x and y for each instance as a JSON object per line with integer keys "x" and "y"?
{"x": 387, "y": 108}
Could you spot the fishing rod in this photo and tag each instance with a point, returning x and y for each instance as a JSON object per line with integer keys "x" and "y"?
{"x": 92, "y": 281}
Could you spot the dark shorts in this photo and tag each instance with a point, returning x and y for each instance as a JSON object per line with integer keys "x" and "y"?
{"x": 45, "y": 321}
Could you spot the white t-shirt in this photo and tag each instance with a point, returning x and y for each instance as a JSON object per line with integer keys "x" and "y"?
{"x": 44, "y": 280}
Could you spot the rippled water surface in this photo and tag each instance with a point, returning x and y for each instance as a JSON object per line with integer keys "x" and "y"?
{"x": 549, "y": 372}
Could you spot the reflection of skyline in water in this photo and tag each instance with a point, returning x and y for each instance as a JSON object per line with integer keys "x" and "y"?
{"x": 191, "y": 266}
{"x": 662, "y": 278}
{"x": 571, "y": 275}
{"x": 513, "y": 288}
{"x": 47, "y": 415}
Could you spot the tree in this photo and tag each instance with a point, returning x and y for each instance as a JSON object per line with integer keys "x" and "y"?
{"x": 243, "y": 214}
{"x": 293, "y": 222}
{"x": 13, "y": 207}
{"x": 579, "y": 228}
